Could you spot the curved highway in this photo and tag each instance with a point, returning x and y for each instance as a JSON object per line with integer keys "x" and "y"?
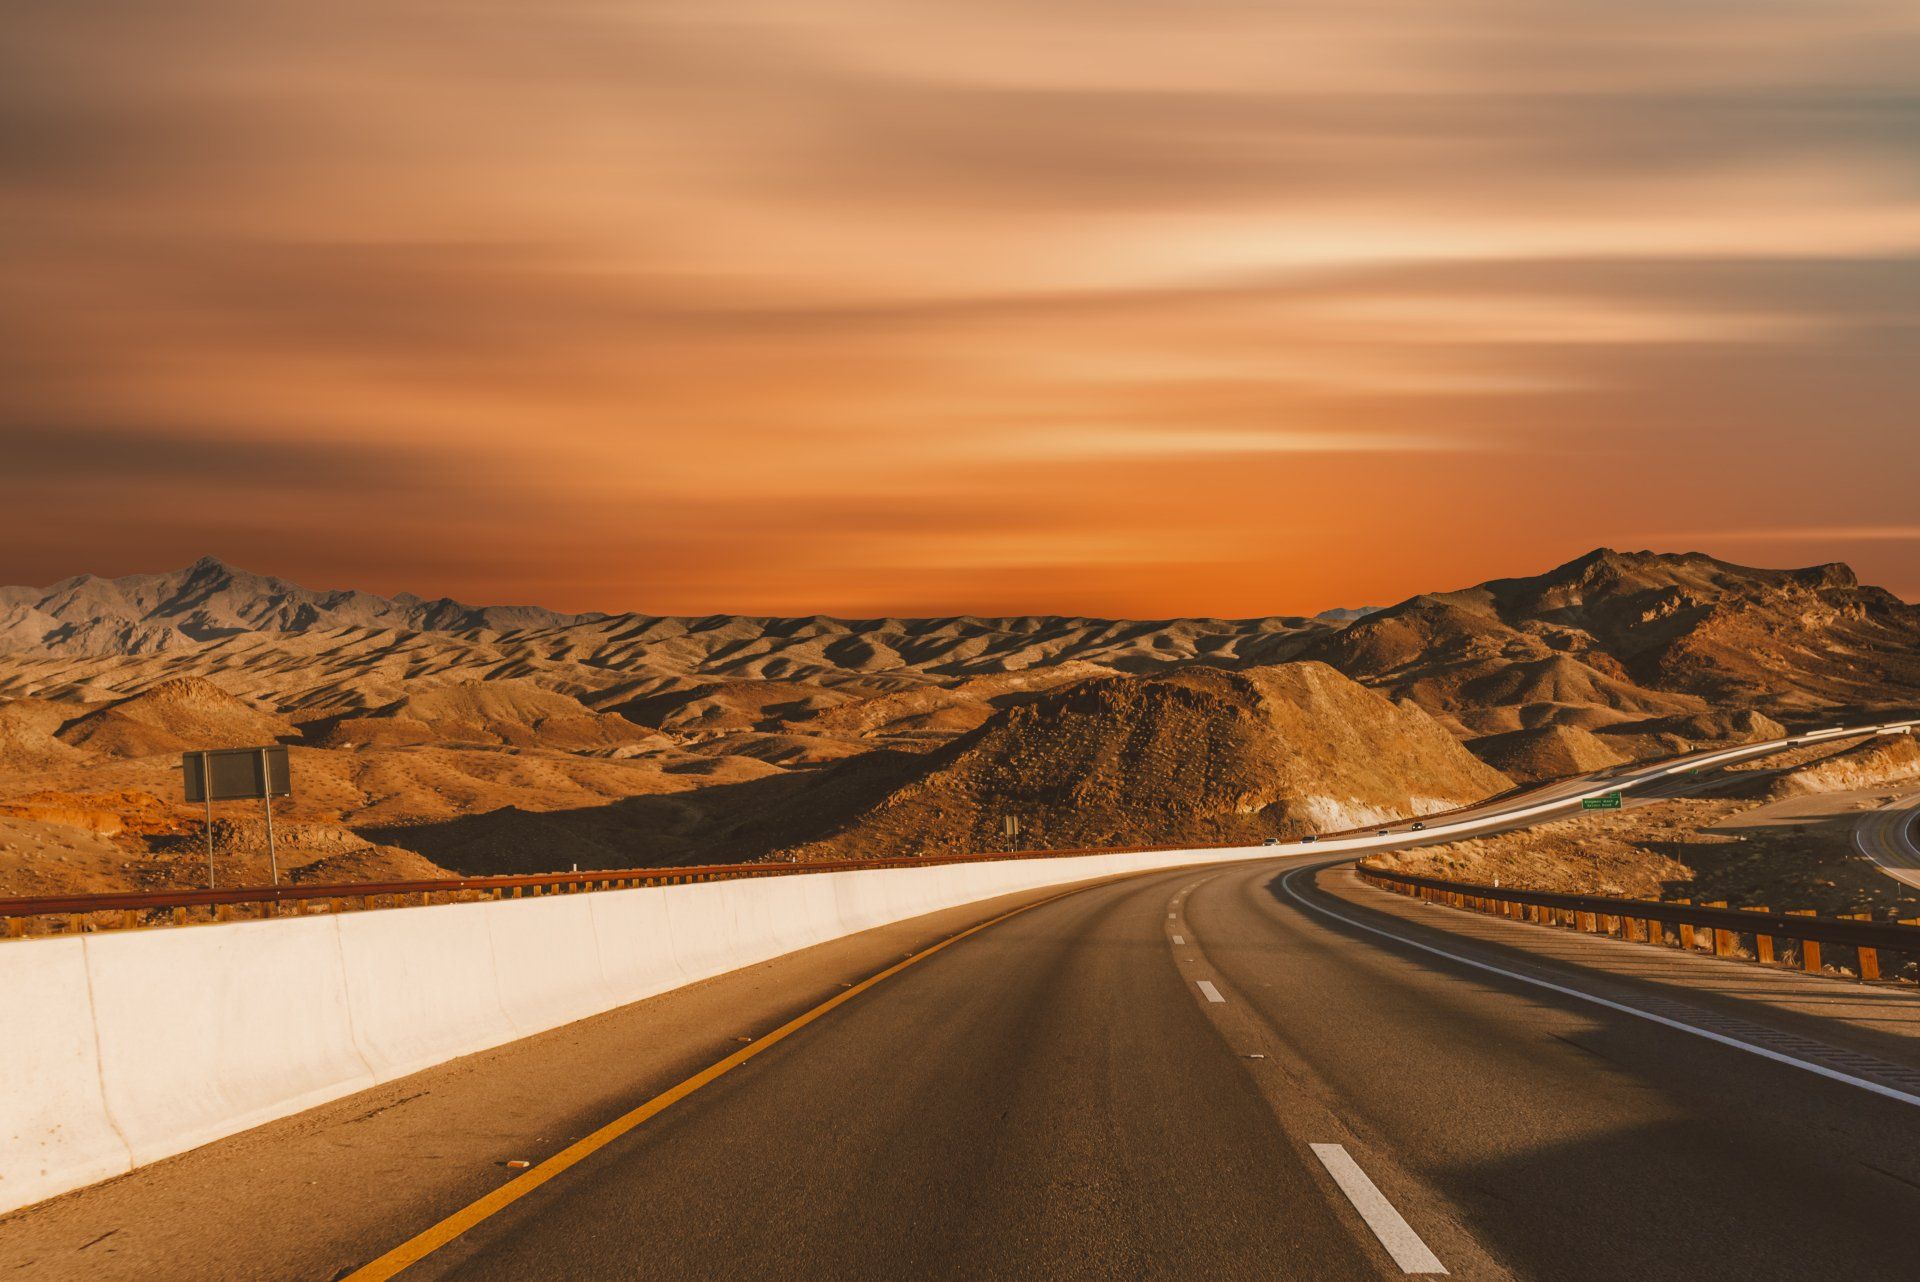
{"x": 1890, "y": 836}
{"x": 1244, "y": 1070}
{"x": 1155, "y": 1078}
{"x": 1230, "y": 1073}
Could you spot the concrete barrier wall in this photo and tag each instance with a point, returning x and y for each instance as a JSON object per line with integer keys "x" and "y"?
{"x": 54, "y": 1132}
{"x": 202, "y": 1033}
{"x": 123, "y": 1048}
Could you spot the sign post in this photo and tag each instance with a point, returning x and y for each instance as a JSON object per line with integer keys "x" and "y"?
{"x": 238, "y": 774}
{"x": 1010, "y": 828}
{"x": 266, "y": 800}
{"x": 207, "y": 796}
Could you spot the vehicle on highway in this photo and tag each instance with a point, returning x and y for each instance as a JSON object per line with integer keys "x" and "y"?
{"x": 1386, "y": 832}
{"x": 1271, "y": 841}
{"x": 1310, "y": 838}
{"x": 1418, "y": 827}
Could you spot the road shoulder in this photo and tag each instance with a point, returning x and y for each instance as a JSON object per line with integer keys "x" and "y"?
{"x": 1881, "y": 1021}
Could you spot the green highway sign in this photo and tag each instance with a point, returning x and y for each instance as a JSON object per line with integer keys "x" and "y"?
{"x": 1605, "y": 801}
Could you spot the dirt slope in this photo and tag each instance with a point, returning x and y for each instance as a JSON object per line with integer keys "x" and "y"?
{"x": 1892, "y": 759}
{"x": 175, "y": 716}
{"x": 1546, "y": 752}
{"x": 512, "y": 711}
{"x": 1201, "y": 755}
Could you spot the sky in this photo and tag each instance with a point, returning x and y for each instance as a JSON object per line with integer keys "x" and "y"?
{"x": 860, "y": 307}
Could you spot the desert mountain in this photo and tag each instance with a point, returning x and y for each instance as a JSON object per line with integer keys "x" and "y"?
{"x": 1620, "y": 637}
{"x": 1198, "y": 755}
{"x": 493, "y": 739}
{"x": 713, "y": 674}
{"x": 141, "y": 613}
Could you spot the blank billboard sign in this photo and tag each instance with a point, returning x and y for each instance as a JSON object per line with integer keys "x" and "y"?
{"x": 237, "y": 774}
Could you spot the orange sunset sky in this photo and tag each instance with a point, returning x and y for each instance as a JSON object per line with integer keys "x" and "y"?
{"x": 1121, "y": 307}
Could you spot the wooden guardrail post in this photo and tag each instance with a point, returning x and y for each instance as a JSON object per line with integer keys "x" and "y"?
{"x": 1869, "y": 957}
{"x": 1722, "y": 939}
{"x": 16, "y": 927}
{"x": 1809, "y": 948}
{"x": 1762, "y": 944}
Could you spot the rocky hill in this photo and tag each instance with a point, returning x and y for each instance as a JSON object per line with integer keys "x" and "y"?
{"x": 1198, "y": 755}
{"x": 174, "y": 716}
{"x": 1615, "y": 638}
{"x": 1546, "y": 752}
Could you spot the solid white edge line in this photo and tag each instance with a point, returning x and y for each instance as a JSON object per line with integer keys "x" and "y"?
{"x": 1402, "y": 1243}
{"x": 1817, "y": 1069}
{"x": 1212, "y": 993}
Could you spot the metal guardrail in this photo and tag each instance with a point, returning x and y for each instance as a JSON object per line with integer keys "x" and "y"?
{"x": 140, "y": 908}
{"x": 1646, "y": 921}
{"x": 131, "y": 909}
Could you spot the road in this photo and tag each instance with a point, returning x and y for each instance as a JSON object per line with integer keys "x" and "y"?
{"x": 1229, "y": 1073}
{"x": 1250, "y": 1070}
{"x": 1062, "y": 1096}
{"x": 1890, "y": 836}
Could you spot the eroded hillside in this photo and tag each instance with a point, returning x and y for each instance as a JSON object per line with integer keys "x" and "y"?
{"x": 494, "y": 739}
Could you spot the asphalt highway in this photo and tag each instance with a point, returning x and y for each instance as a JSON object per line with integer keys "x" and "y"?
{"x": 1168, "y": 1076}
{"x": 1243, "y": 1070}
{"x": 1227, "y": 1073}
{"x": 1890, "y": 836}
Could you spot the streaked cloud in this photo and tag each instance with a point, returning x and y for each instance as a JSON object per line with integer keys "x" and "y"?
{"x": 876, "y": 305}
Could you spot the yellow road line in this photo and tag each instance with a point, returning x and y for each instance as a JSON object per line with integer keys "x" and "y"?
{"x": 426, "y": 1243}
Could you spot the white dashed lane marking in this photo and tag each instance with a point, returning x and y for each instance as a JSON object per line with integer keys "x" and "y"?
{"x": 1212, "y": 993}
{"x": 1402, "y": 1243}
